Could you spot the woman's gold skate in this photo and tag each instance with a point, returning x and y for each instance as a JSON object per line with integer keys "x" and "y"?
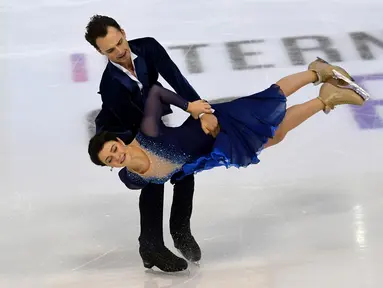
{"x": 324, "y": 71}
{"x": 339, "y": 87}
{"x": 333, "y": 95}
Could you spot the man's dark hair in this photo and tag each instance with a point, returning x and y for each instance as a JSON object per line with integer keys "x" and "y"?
{"x": 96, "y": 143}
{"x": 98, "y": 27}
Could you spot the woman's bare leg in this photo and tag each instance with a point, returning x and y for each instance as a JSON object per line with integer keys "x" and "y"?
{"x": 294, "y": 82}
{"x": 295, "y": 115}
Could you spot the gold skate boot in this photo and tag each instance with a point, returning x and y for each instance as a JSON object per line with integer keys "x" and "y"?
{"x": 325, "y": 71}
{"x": 331, "y": 94}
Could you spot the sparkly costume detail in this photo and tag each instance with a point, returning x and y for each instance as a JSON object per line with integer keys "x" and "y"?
{"x": 165, "y": 160}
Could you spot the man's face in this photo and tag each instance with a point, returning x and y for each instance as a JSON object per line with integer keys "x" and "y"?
{"x": 115, "y": 46}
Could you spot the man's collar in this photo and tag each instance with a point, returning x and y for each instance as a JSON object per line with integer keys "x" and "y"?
{"x": 132, "y": 56}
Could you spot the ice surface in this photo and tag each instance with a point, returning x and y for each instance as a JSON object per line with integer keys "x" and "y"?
{"x": 310, "y": 215}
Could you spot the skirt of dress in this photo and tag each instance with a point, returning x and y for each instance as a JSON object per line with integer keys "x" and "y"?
{"x": 246, "y": 125}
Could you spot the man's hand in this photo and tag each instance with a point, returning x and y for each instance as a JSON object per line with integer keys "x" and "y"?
{"x": 197, "y": 107}
{"x": 209, "y": 124}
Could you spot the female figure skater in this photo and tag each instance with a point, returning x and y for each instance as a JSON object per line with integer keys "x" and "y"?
{"x": 247, "y": 126}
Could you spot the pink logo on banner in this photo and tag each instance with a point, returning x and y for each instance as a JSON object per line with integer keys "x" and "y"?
{"x": 79, "y": 70}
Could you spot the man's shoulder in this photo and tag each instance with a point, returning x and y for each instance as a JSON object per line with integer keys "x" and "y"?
{"x": 106, "y": 78}
{"x": 140, "y": 45}
{"x": 142, "y": 41}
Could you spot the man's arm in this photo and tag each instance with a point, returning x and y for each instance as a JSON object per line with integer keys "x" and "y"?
{"x": 120, "y": 111}
{"x": 107, "y": 121}
{"x": 165, "y": 66}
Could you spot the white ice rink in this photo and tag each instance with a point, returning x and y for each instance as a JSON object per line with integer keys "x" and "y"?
{"x": 310, "y": 215}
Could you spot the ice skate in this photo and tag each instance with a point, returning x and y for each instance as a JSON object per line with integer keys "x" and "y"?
{"x": 332, "y": 95}
{"x": 187, "y": 246}
{"x": 162, "y": 258}
{"x": 325, "y": 71}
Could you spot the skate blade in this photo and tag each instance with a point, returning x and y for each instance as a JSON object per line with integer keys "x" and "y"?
{"x": 323, "y": 61}
{"x": 351, "y": 85}
{"x": 160, "y": 272}
{"x": 196, "y": 263}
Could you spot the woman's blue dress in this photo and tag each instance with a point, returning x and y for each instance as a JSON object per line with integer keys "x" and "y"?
{"x": 246, "y": 124}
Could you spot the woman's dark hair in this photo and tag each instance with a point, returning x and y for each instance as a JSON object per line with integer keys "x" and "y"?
{"x": 98, "y": 27}
{"x": 96, "y": 143}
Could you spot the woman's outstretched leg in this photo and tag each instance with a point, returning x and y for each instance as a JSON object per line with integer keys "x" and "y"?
{"x": 319, "y": 71}
{"x": 295, "y": 115}
{"x": 329, "y": 97}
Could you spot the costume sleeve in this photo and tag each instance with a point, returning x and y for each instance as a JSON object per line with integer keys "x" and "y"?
{"x": 132, "y": 181}
{"x": 157, "y": 97}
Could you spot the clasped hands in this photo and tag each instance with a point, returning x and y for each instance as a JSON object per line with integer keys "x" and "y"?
{"x": 201, "y": 109}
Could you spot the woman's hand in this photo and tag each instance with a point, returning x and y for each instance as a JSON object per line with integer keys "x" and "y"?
{"x": 209, "y": 124}
{"x": 195, "y": 108}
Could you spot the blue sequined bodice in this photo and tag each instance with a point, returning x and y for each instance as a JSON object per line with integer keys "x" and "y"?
{"x": 170, "y": 150}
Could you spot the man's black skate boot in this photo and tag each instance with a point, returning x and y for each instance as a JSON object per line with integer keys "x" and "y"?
{"x": 162, "y": 258}
{"x": 187, "y": 245}
{"x": 180, "y": 219}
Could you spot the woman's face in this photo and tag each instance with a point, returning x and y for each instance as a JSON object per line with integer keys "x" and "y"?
{"x": 114, "y": 154}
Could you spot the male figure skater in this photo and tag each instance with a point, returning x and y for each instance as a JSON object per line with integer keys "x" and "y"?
{"x": 133, "y": 67}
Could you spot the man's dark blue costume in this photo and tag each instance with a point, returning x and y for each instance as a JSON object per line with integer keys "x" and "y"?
{"x": 122, "y": 111}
